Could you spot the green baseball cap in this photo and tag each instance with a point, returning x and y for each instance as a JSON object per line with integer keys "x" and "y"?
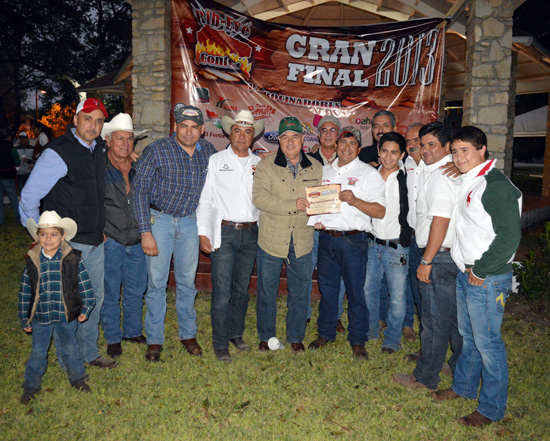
{"x": 290, "y": 123}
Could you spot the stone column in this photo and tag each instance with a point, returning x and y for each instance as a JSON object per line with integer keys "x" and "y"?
{"x": 151, "y": 74}
{"x": 488, "y": 89}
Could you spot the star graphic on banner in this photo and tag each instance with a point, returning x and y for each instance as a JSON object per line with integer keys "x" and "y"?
{"x": 258, "y": 48}
{"x": 189, "y": 30}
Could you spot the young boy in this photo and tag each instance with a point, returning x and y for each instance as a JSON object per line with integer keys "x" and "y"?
{"x": 55, "y": 290}
{"x": 388, "y": 249}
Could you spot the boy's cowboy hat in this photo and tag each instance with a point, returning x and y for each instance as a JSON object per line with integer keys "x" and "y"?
{"x": 243, "y": 118}
{"x": 122, "y": 122}
{"x": 50, "y": 219}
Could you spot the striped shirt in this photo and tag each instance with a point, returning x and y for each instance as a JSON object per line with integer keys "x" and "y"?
{"x": 50, "y": 308}
{"x": 170, "y": 179}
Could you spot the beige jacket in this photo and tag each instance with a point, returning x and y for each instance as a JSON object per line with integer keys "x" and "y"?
{"x": 274, "y": 193}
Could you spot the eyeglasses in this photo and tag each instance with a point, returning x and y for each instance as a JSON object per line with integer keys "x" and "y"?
{"x": 331, "y": 130}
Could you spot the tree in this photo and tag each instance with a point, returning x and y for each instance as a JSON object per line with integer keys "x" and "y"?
{"x": 57, "y": 45}
{"x": 58, "y": 117}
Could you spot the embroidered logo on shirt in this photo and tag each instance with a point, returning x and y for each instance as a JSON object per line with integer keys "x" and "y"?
{"x": 469, "y": 198}
{"x": 225, "y": 167}
{"x": 352, "y": 181}
{"x": 253, "y": 169}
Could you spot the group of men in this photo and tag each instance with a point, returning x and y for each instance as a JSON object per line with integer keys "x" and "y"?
{"x": 406, "y": 226}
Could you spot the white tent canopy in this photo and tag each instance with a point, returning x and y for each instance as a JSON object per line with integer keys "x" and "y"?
{"x": 532, "y": 123}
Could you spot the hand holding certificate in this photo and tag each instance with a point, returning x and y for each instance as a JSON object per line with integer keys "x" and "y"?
{"x": 323, "y": 199}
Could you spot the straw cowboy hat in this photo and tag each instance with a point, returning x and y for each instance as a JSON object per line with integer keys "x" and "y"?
{"x": 50, "y": 219}
{"x": 122, "y": 122}
{"x": 243, "y": 118}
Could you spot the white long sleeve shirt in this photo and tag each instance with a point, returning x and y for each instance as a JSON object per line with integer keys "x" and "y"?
{"x": 228, "y": 189}
{"x": 414, "y": 179}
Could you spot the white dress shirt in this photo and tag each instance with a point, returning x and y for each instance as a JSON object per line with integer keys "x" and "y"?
{"x": 414, "y": 179}
{"x": 366, "y": 184}
{"x": 388, "y": 227}
{"x": 228, "y": 189}
{"x": 437, "y": 196}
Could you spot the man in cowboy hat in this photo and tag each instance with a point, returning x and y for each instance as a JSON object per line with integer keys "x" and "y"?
{"x": 168, "y": 184}
{"x": 70, "y": 177}
{"x": 124, "y": 257}
{"x": 227, "y": 222}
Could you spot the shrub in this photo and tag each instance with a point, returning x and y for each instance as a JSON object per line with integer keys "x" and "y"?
{"x": 533, "y": 276}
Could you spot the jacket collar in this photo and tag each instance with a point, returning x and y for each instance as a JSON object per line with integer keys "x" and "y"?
{"x": 280, "y": 160}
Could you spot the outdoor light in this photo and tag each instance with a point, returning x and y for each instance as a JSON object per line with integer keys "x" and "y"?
{"x": 38, "y": 92}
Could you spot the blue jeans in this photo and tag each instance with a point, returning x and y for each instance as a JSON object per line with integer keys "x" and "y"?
{"x": 178, "y": 236}
{"x": 298, "y": 272}
{"x": 8, "y": 186}
{"x": 67, "y": 350}
{"x": 124, "y": 265}
{"x": 232, "y": 266}
{"x": 342, "y": 294}
{"x": 439, "y": 321}
{"x": 342, "y": 257}
{"x": 413, "y": 292}
{"x": 480, "y": 310}
{"x": 387, "y": 261}
{"x": 87, "y": 333}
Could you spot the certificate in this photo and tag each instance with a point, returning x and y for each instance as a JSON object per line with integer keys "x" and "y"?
{"x": 323, "y": 199}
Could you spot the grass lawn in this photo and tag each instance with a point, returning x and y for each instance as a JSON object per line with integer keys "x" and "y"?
{"x": 279, "y": 395}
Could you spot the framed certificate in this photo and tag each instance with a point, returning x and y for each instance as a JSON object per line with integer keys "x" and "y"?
{"x": 324, "y": 199}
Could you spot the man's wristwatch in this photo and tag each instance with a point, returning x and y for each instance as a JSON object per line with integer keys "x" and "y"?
{"x": 425, "y": 262}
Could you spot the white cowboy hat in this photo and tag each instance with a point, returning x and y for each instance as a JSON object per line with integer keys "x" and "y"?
{"x": 50, "y": 219}
{"x": 243, "y": 118}
{"x": 122, "y": 122}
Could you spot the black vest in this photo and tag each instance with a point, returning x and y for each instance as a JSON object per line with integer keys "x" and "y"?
{"x": 406, "y": 230}
{"x": 69, "y": 282}
{"x": 80, "y": 194}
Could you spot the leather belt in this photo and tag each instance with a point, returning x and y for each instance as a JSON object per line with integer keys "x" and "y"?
{"x": 336, "y": 233}
{"x": 386, "y": 243}
{"x": 441, "y": 250}
{"x": 238, "y": 225}
{"x": 154, "y": 207}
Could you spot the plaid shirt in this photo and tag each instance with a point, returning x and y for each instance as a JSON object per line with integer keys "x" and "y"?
{"x": 170, "y": 179}
{"x": 50, "y": 308}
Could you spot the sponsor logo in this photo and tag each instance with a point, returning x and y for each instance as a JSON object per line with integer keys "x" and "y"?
{"x": 216, "y": 43}
{"x": 201, "y": 95}
{"x": 262, "y": 111}
{"x": 352, "y": 181}
{"x": 225, "y": 168}
{"x": 360, "y": 121}
{"x": 223, "y": 103}
{"x": 469, "y": 199}
{"x": 314, "y": 194}
{"x": 214, "y": 118}
{"x": 272, "y": 137}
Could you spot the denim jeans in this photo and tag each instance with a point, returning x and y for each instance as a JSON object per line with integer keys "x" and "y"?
{"x": 480, "y": 310}
{"x": 387, "y": 261}
{"x": 342, "y": 257}
{"x": 413, "y": 292}
{"x": 87, "y": 333}
{"x": 384, "y": 299}
{"x": 232, "y": 266}
{"x": 298, "y": 272}
{"x": 342, "y": 294}
{"x": 66, "y": 348}
{"x": 8, "y": 186}
{"x": 439, "y": 321}
{"x": 124, "y": 265}
{"x": 178, "y": 236}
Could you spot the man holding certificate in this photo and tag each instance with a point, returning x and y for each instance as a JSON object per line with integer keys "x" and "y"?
{"x": 343, "y": 240}
{"x": 227, "y": 223}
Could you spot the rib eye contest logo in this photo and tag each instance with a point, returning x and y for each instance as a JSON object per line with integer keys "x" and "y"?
{"x": 216, "y": 43}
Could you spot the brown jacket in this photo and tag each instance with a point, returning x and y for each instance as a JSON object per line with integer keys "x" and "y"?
{"x": 274, "y": 193}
